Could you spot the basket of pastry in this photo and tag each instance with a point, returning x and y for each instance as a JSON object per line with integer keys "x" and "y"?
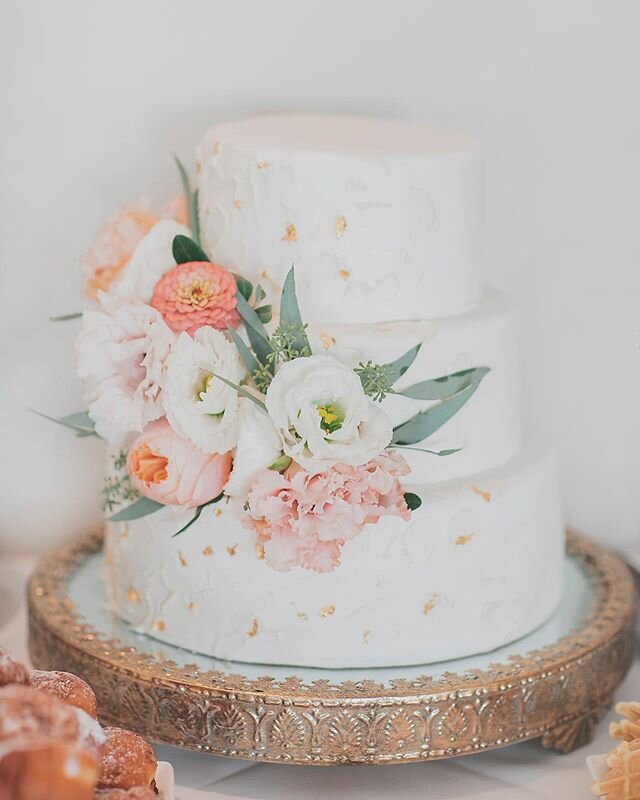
{"x": 52, "y": 746}
{"x": 617, "y": 775}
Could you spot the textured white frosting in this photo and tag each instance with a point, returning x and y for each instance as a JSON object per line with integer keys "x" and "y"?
{"x": 381, "y": 218}
{"x": 488, "y": 428}
{"x": 478, "y": 565}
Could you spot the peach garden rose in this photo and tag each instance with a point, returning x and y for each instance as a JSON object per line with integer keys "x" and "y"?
{"x": 170, "y": 470}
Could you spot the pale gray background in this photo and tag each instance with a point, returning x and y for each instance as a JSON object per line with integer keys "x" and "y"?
{"x": 96, "y": 95}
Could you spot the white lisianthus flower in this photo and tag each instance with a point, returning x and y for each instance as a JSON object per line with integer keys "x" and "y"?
{"x": 152, "y": 257}
{"x": 121, "y": 349}
{"x": 321, "y": 412}
{"x": 258, "y": 448}
{"x": 199, "y": 406}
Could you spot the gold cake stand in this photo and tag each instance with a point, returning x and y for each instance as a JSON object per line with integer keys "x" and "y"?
{"x": 557, "y": 691}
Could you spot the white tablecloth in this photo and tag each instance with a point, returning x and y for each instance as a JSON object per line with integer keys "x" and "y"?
{"x": 520, "y": 772}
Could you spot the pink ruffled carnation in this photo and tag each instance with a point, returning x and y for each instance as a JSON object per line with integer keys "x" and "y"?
{"x": 304, "y": 519}
{"x": 194, "y": 294}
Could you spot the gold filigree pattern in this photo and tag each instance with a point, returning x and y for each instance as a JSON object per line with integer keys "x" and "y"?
{"x": 557, "y": 693}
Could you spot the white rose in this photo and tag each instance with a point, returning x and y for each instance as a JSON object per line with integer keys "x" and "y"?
{"x": 122, "y": 348}
{"x": 152, "y": 257}
{"x": 323, "y": 416}
{"x": 258, "y": 447}
{"x": 199, "y": 406}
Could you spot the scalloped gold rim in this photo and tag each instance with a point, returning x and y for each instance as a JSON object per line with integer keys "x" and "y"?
{"x": 557, "y": 692}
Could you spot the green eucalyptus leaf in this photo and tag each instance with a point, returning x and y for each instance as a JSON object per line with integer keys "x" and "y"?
{"x": 397, "y": 368}
{"x": 260, "y": 294}
{"x": 242, "y": 392}
{"x": 185, "y": 249}
{"x": 249, "y": 360}
{"x": 66, "y": 317}
{"x": 446, "y": 386}
{"x": 290, "y": 311}
{"x": 412, "y": 500}
{"x": 196, "y": 516}
{"x": 264, "y": 313}
{"x": 141, "y": 508}
{"x": 194, "y": 215}
{"x": 255, "y": 331}
{"x": 192, "y": 203}
{"x": 80, "y": 419}
{"x": 245, "y": 287}
{"x": 79, "y": 422}
{"x": 441, "y": 453}
{"x": 423, "y": 424}
{"x": 281, "y": 463}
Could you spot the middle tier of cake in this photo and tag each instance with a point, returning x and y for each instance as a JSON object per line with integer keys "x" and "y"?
{"x": 487, "y": 431}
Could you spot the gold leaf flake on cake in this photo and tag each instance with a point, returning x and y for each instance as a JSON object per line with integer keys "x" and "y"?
{"x": 263, "y": 164}
{"x": 431, "y": 603}
{"x": 182, "y": 559}
{"x": 365, "y": 637}
{"x": 464, "y": 538}
{"x": 208, "y": 551}
{"x": 259, "y": 551}
{"x": 232, "y": 549}
{"x": 133, "y": 595}
{"x": 327, "y": 611}
{"x": 265, "y": 274}
{"x": 192, "y": 607}
{"x": 303, "y": 615}
{"x": 327, "y": 341}
{"x": 124, "y": 531}
{"x": 341, "y": 226}
{"x": 345, "y": 274}
{"x": 198, "y": 166}
{"x": 290, "y": 234}
{"x": 218, "y": 512}
{"x": 159, "y": 625}
{"x": 253, "y": 631}
{"x": 486, "y": 496}
{"x": 237, "y": 203}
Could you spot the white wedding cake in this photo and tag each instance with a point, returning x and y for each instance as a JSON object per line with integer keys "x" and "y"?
{"x": 310, "y": 554}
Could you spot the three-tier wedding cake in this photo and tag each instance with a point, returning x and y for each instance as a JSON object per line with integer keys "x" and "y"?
{"x": 312, "y": 406}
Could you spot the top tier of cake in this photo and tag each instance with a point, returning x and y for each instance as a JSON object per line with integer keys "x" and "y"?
{"x": 380, "y": 217}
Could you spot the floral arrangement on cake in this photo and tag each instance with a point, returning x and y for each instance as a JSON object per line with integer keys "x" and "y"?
{"x": 208, "y": 394}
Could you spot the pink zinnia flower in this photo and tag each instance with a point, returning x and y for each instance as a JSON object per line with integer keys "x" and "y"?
{"x": 303, "y": 519}
{"x": 169, "y": 469}
{"x": 194, "y": 294}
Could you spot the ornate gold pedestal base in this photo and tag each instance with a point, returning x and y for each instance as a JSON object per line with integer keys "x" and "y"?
{"x": 557, "y": 692}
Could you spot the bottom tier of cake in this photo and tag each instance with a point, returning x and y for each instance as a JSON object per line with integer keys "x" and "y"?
{"x": 479, "y": 565}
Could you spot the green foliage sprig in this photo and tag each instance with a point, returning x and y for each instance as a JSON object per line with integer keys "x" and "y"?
{"x": 288, "y": 341}
{"x": 376, "y": 380}
{"x": 118, "y": 488}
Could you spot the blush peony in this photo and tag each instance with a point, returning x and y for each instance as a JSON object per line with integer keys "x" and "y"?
{"x": 168, "y": 469}
{"x": 195, "y": 294}
{"x": 320, "y": 410}
{"x": 303, "y": 519}
{"x": 115, "y": 243}
{"x": 121, "y": 349}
